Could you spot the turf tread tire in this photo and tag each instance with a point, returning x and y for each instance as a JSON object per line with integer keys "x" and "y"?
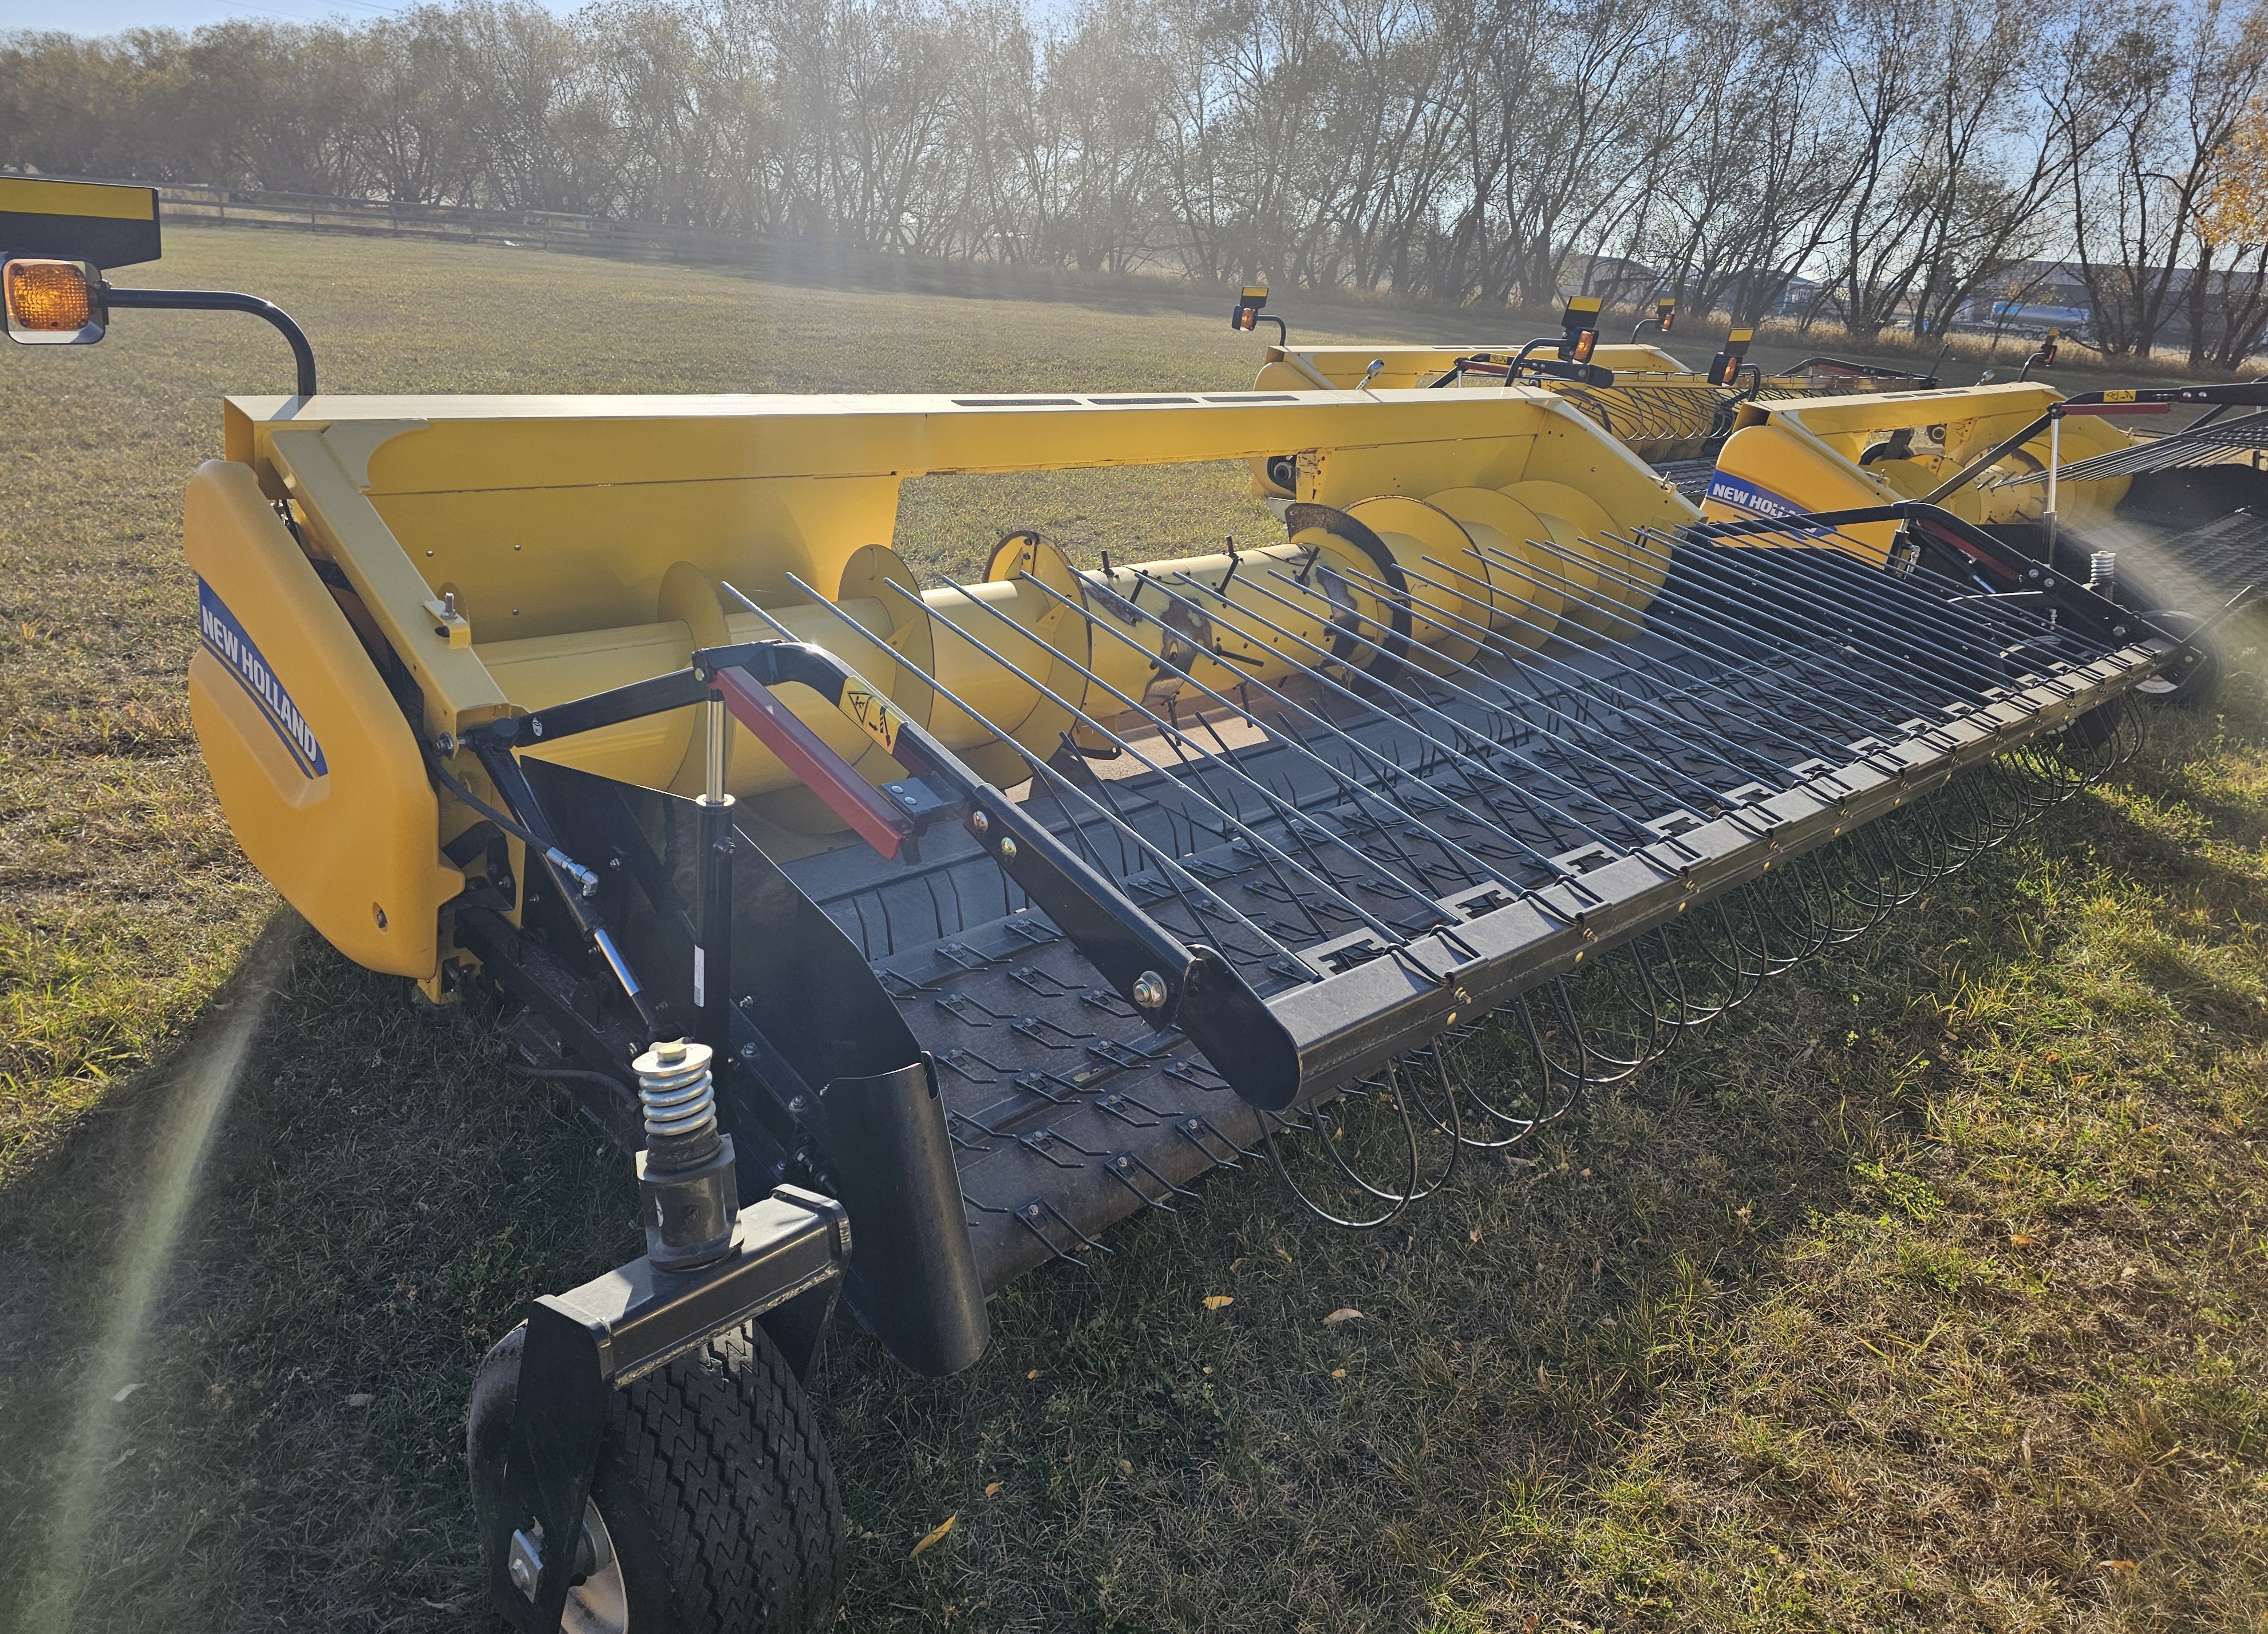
{"x": 715, "y": 1485}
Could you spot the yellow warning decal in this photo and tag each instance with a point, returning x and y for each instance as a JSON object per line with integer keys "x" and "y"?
{"x": 2118, "y": 397}
{"x": 872, "y": 713}
{"x": 1741, "y": 337}
{"x": 1583, "y": 303}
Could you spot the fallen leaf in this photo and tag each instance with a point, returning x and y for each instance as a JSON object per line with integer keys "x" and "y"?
{"x": 937, "y": 1536}
{"x": 360, "y": 1399}
{"x": 1542, "y": 1379}
{"x": 2116, "y": 1565}
{"x": 1234, "y": 1266}
{"x": 992, "y": 1489}
{"x": 2022, "y": 1240}
{"x": 1586, "y": 1174}
{"x": 1285, "y": 1251}
{"x": 1344, "y": 1314}
{"x": 1338, "y": 1372}
{"x": 1125, "y": 1467}
{"x": 1220, "y": 1301}
{"x": 1474, "y": 1235}
{"x": 1036, "y": 1374}
{"x": 126, "y": 1390}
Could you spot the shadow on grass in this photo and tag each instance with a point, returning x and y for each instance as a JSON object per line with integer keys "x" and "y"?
{"x": 385, "y": 1193}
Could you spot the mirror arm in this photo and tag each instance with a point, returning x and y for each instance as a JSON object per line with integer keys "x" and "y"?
{"x": 223, "y": 300}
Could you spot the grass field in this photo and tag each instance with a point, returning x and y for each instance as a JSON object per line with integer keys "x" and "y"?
{"x": 1926, "y": 1294}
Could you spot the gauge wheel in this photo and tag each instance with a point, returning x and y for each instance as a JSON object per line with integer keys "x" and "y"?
{"x": 714, "y": 1509}
{"x": 2200, "y": 685}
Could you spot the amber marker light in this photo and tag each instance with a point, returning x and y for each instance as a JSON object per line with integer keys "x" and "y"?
{"x": 1586, "y": 343}
{"x": 51, "y": 302}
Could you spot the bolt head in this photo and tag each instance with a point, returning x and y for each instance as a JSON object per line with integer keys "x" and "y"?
{"x": 535, "y": 728}
{"x": 1007, "y": 849}
{"x": 522, "y": 1579}
{"x": 671, "y": 1053}
{"x": 1149, "y": 990}
{"x": 981, "y": 824}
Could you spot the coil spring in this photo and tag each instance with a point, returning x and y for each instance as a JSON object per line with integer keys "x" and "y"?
{"x": 676, "y": 1090}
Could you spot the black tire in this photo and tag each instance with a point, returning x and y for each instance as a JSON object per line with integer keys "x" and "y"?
{"x": 2201, "y": 685}
{"x": 717, "y": 1496}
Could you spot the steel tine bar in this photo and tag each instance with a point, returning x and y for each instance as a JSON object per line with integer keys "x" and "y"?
{"x": 1828, "y": 575}
{"x": 1492, "y": 640}
{"x": 1758, "y": 643}
{"x": 1572, "y": 747}
{"x": 1874, "y": 591}
{"x": 1295, "y": 819}
{"x": 1883, "y": 672}
{"x": 1508, "y": 745}
{"x": 1057, "y": 782}
{"x": 2010, "y": 612}
{"x": 1640, "y": 546}
{"x": 1762, "y": 601}
{"x": 1392, "y": 769}
{"x": 1959, "y": 619}
{"x": 1565, "y": 819}
{"x": 1615, "y": 768}
{"x": 1611, "y": 649}
{"x": 1481, "y": 871}
{"x": 1655, "y": 666}
{"x": 1868, "y": 684}
{"x": 1449, "y": 750}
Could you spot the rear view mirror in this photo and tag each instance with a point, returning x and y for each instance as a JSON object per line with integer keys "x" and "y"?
{"x": 52, "y": 303}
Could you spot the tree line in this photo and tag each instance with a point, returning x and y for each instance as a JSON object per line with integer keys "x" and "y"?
{"x": 1879, "y": 164}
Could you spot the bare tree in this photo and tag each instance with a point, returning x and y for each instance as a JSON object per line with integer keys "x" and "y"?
{"x": 1892, "y": 158}
{"x": 2179, "y": 82}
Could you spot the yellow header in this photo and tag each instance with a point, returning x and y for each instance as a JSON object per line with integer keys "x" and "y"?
{"x": 1256, "y": 291}
{"x": 1583, "y": 303}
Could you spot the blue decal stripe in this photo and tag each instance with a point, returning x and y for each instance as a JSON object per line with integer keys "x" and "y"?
{"x": 226, "y": 640}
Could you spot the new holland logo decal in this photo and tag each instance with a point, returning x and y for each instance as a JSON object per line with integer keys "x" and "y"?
{"x": 1733, "y": 490}
{"x": 226, "y": 640}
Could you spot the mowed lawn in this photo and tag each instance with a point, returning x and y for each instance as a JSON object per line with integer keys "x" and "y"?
{"x": 1924, "y": 1293}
